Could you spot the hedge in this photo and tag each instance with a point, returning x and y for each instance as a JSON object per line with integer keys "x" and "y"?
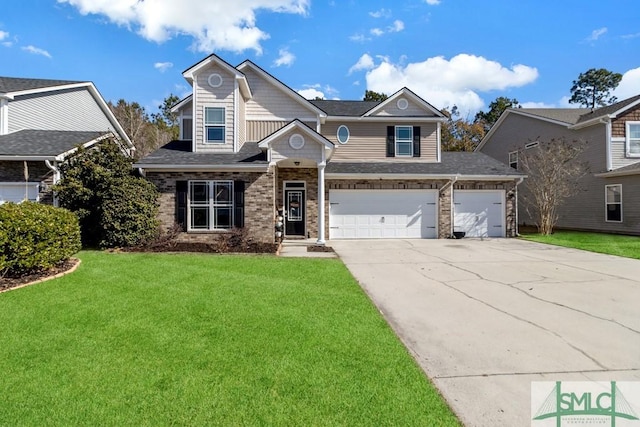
{"x": 34, "y": 236}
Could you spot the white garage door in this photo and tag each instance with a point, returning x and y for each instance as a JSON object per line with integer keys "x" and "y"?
{"x": 479, "y": 213}
{"x": 379, "y": 214}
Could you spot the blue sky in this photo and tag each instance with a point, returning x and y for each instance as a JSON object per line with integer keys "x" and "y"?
{"x": 461, "y": 52}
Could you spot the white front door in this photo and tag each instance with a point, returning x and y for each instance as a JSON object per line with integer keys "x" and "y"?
{"x": 479, "y": 213}
{"x": 380, "y": 214}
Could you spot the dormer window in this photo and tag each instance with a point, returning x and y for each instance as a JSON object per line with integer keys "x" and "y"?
{"x": 214, "y": 125}
{"x": 633, "y": 139}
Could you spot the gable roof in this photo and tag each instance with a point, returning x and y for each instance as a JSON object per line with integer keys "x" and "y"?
{"x": 45, "y": 144}
{"x": 409, "y": 94}
{"x": 9, "y": 85}
{"x": 610, "y": 111}
{"x": 296, "y": 124}
{"x": 283, "y": 87}
{"x": 190, "y": 72}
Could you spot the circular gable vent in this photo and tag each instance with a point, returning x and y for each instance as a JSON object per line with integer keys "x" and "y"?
{"x": 215, "y": 80}
{"x": 296, "y": 141}
{"x": 402, "y": 104}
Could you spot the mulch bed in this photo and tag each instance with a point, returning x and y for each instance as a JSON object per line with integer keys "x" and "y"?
{"x": 250, "y": 248}
{"x": 37, "y": 276}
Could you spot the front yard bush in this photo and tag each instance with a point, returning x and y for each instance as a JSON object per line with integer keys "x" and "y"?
{"x": 35, "y": 237}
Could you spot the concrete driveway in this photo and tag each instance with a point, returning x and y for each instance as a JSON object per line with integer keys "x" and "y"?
{"x": 484, "y": 318}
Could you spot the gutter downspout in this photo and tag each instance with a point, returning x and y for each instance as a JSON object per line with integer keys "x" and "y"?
{"x": 56, "y": 178}
{"x": 445, "y": 187}
{"x": 516, "y": 196}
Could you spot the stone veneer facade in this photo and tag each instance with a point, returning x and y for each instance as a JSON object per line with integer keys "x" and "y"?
{"x": 264, "y": 196}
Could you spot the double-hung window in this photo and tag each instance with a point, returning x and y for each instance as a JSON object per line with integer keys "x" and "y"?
{"x": 214, "y": 125}
{"x": 513, "y": 159}
{"x": 210, "y": 205}
{"x": 404, "y": 141}
{"x": 633, "y": 139}
{"x": 613, "y": 202}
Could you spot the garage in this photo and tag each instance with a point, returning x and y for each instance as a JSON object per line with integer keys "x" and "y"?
{"x": 479, "y": 213}
{"x": 382, "y": 214}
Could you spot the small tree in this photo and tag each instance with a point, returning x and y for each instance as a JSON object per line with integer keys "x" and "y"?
{"x": 92, "y": 180}
{"x": 459, "y": 134}
{"x": 553, "y": 172}
{"x": 370, "y": 95}
{"x": 593, "y": 88}
{"x": 496, "y": 108}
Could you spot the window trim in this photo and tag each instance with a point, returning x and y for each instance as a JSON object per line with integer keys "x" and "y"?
{"x": 215, "y": 125}
{"x": 211, "y": 205}
{"x": 510, "y": 162}
{"x": 409, "y": 141}
{"x": 607, "y": 203}
{"x": 338, "y": 134}
{"x": 627, "y": 139}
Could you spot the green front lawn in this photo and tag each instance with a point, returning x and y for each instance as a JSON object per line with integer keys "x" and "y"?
{"x": 167, "y": 339}
{"x": 613, "y": 244}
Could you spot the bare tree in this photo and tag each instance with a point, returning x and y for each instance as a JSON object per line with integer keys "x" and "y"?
{"x": 554, "y": 170}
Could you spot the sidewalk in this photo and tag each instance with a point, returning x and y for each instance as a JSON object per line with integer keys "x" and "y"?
{"x": 298, "y": 248}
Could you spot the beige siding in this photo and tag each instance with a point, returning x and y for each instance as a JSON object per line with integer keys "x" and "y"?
{"x": 414, "y": 109}
{"x": 207, "y": 96}
{"x": 258, "y": 130}
{"x": 242, "y": 121}
{"x": 368, "y": 140}
{"x": 71, "y": 110}
{"x": 280, "y": 149}
{"x": 271, "y": 103}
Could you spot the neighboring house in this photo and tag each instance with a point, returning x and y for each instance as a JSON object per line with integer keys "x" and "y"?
{"x": 610, "y": 196}
{"x": 41, "y": 123}
{"x": 252, "y": 147}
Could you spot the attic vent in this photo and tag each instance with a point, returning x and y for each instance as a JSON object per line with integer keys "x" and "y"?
{"x": 296, "y": 141}
{"x": 402, "y": 104}
{"x": 531, "y": 145}
{"x": 215, "y": 80}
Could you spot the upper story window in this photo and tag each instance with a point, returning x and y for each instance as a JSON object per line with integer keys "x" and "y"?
{"x": 214, "y": 125}
{"x": 613, "y": 203}
{"x": 633, "y": 139}
{"x": 513, "y": 159}
{"x": 343, "y": 134}
{"x": 404, "y": 141}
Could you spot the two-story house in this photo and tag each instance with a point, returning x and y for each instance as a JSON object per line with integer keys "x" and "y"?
{"x": 41, "y": 123}
{"x": 609, "y": 200}
{"x": 253, "y": 150}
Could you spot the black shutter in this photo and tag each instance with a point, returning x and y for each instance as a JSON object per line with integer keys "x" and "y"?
{"x": 238, "y": 204}
{"x": 391, "y": 141}
{"x": 182, "y": 188}
{"x": 416, "y": 141}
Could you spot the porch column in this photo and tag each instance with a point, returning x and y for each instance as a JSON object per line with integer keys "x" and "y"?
{"x": 321, "y": 240}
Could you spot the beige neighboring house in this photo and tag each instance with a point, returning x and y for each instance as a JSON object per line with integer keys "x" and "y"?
{"x": 41, "y": 123}
{"x": 610, "y": 196}
{"x": 252, "y": 150}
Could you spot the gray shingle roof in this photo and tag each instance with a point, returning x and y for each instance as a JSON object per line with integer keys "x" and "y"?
{"x": 43, "y": 142}
{"x": 565, "y": 115}
{"x": 345, "y": 108}
{"x": 18, "y": 84}
{"x": 463, "y": 163}
{"x": 609, "y": 109}
{"x": 179, "y": 153}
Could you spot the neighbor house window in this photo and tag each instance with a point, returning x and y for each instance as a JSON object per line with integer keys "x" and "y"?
{"x": 210, "y": 205}
{"x": 513, "y": 159}
{"x": 404, "y": 141}
{"x": 214, "y": 125}
{"x": 613, "y": 202}
{"x": 633, "y": 139}
{"x": 187, "y": 128}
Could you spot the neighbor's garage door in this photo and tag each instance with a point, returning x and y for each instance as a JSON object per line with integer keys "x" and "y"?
{"x": 479, "y": 213}
{"x": 379, "y": 214}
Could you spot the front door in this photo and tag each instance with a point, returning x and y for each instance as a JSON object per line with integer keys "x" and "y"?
{"x": 294, "y": 218}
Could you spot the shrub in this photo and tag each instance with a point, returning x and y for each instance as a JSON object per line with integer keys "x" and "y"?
{"x": 129, "y": 213}
{"x": 35, "y": 237}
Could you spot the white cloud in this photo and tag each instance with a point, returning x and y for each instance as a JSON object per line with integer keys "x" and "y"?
{"x": 595, "y": 34}
{"x": 3, "y": 39}
{"x": 311, "y": 93}
{"x": 376, "y": 32}
{"x": 162, "y": 66}
{"x": 629, "y": 85}
{"x": 397, "y": 26}
{"x": 433, "y": 2}
{"x": 382, "y": 13}
{"x": 445, "y": 83}
{"x": 286, "y": 58}
{"x": 364, "y": 63}
{"x": 36, "y": 51}
{"x": 537, "y": 105}
{"x": 360, "y": 38}
{"x": 631, "y": 36}
{"x": 214, "y": 25}
{"x": 3, "y": 35}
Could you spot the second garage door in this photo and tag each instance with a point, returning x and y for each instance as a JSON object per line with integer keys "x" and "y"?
{"x": 377, "y": 214}
{"x": 479, "y": 213}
